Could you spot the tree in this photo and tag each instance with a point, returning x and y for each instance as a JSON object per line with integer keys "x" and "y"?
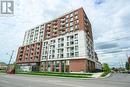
{"x": 106, "y": 67}
{"x": 127, "y": 66}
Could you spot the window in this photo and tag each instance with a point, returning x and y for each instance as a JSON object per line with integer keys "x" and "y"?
{"x": 76, "y": 48}
{"x": 71, "y": 15}
{"x": 50, "y": 51}
{"x": 66, "y": 29}
{"x": 76, "y": 17}
{"x": 72, "y": 49}
{"x": 77, "y": 21}
{"x": 49, "y": 56}
{"x": 71, "y": 37}
{"x": 71, "y": 43}
{"x": 67, "y": 43}
{"x": 66, "y": 25}
{"x": 76, "y": 41}
{"x": 71, "y": 28}
{"x": 62, "y": 50}
{"x": 67, "y": 38}
{"x": 71, "y": 23}
{"x": 53, "y": 46}
{"x": 76, "y": 36}
{"x": 67, "y": 54}
{"x": 67, "y": 16}
{"x": 57, "y": 55}
{"x": 66, "y": 20}
{"x": 53, "y": 51}
{"x": 58, "y": 45}
{"x": 52, "y": 41}
{"x": 76, "y": 27}
{"x": 62, "y": 44}
{"x": 53, "y": 56}
{"x": 58, "y": 40}
{"x": 67, "y": 49}
{"x": 61, "y": 56}
{"x": 76, "y": 54}
{"x": 58, "y": 51}
{"x": 71, "y": 54}
{"x": 76, "y": 12}
{"x": 62, "y": 39}
{"x": 71, "y": 19}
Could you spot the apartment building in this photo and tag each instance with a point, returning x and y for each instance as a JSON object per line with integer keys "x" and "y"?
{"x": 66, "y": 44}
{"x": 29, "y": 54}
{"x": 98, "y": 64}
{"x": 34, "y": 35}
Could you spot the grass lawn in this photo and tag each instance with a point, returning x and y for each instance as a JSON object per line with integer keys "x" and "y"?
{"x": 75, "y": 75}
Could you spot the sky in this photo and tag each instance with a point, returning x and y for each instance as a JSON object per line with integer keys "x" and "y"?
{"x": 110, "y": 20}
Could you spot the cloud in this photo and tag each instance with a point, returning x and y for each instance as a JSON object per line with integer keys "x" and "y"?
{"x": 98, "y": 2}
{"x": 106, "y": 45}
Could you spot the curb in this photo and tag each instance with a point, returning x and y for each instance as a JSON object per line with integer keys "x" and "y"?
{"x": 107, "y": 76}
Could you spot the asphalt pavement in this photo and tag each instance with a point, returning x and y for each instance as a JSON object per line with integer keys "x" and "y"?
{"x": 116, "y": 80}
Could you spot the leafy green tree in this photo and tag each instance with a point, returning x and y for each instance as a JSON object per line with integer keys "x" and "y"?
{"x": 127, "y": 66}
{"x": 106, "y": 67}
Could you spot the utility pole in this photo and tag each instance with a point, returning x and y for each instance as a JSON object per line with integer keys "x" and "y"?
{"x": 10, "y": 59}
{"x": 127, "y": 55}
{"x": 122, "y": 65}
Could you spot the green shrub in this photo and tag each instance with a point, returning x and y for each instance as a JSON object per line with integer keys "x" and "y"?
{"x": 59, "y": 74}
{"x": 2, "y": 71}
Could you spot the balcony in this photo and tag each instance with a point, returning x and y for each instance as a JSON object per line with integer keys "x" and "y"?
{"x": 42, "y": 26}
{"x": 26, "y": 60}
{"x": 48, "y": 25}
{"x": 62, "y": 23}
{"x": 48, "y": 29}
{"x": 62, "y": 27}
{"x": 55, "y": 30}
{"x": 62, "y": 32}
{"x": 48, "y": 32}
{"x": 36, "y": 59}
{"x": 54, "y": 34}
{"x": 26, "y": 56}
{"x": 31, "y": 60}
{"x": 63, "y": 19}
{"x": 47, "y": 37}
{"x": 32, "y": 33}
{"x": 21, "y": 51}
{"x": 55, "y": 22}
{"x": 76, "y": 17}
{"x": 37, "y": 54}
{"x": 55, "y": 26}
{"x": 31, "y": 55}
{"x": 37, "y": 50}
{"x": 20, "y": 59}
{"x": 20, "y": 55}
